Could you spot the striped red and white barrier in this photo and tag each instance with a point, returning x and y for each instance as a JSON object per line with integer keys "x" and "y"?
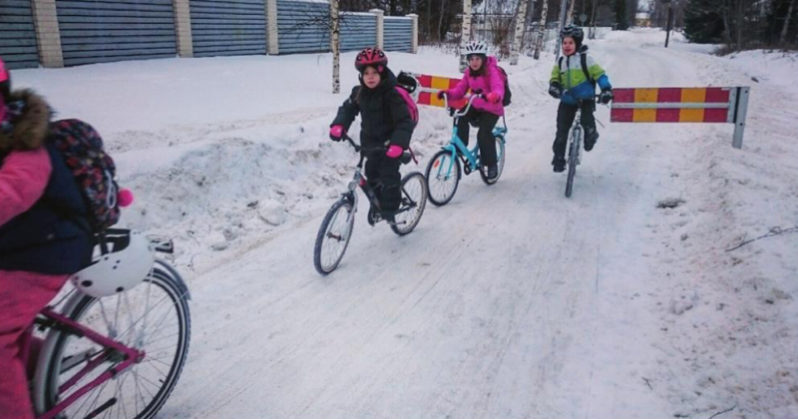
{"x": 682, "y": 104}
{"x": 430, "y": 85}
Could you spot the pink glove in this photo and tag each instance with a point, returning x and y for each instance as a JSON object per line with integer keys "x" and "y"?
{"x": 492, "y": 97}
{"x": 337, "y": 132}
{"x": 124, "y": 197}
{"x": 394, "y": 151}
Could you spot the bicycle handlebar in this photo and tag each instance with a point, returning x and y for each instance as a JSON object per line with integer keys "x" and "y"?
{"x": 405, "y": 158}
{"x": 463, "y": 111}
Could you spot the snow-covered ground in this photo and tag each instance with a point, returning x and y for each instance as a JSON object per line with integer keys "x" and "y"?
{"x": 510, "y": 302}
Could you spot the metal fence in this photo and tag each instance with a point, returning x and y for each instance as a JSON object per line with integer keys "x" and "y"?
{"x": 95, "y": 32}
{"x": 74, "y": 32}
{"x": 18, "y": 35}
{"x": 228, "y": 27}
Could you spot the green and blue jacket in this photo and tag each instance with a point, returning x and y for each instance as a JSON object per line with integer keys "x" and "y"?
{"x": 569, "y": 74}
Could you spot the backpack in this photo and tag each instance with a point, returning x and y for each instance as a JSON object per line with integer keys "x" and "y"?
{"x": 583, "y": 61}
{"x": 82, "y": 149}
{"x": 406, "y": 84}
{"x": 507, "y": 94}
{"x": 412, "y": 108}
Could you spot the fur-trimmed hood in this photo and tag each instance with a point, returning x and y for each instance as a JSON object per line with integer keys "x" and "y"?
{"x": 29, "y": 128}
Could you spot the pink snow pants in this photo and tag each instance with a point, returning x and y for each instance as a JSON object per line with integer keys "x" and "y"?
{"x": 22, "y": 295}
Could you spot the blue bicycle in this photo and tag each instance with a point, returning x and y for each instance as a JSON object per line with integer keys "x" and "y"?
{"x": 444, "y": 171}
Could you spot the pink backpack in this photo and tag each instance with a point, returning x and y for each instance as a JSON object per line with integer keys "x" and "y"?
{"x": 407, "y": 84}
{"x": 412, "y": 108}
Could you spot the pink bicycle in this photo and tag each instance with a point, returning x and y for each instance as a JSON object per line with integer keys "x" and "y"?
{"x": 115, "y": 344}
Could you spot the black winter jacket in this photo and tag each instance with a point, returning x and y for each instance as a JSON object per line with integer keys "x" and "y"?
{"x": 384, "y": 114}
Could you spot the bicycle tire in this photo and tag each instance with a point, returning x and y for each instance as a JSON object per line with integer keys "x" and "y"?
{"x": 573, "y": 158}
{"x": 414, "y": 189}
{"x": 128, "y": 391}
{"x": 483, "y": 171}
{"x": 439, "y": 182}
{"x": 320, "y": 252}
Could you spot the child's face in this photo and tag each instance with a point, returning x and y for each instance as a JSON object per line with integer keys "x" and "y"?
{"x": 568, "y": 46}
{"x": 371, "y": 78}
{"x": 475, "y": 62}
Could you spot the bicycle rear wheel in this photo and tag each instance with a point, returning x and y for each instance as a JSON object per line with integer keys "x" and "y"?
{"x": 152, "y": 317}
{"x": 442, "y": 176}
{"x": 414, "y": 200}
{"x": 483, "y": 171}
{"x": 333, "y": 236}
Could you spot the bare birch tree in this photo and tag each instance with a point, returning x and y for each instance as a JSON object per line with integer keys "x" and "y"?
{"x": 335, "y": 32}
{"x": 541, "y": 29}
{"x": 783, "y": 37}
{"x": 570, "y": 17}
{"x": 520, "y": 29}
{"x": 465, "y": 34}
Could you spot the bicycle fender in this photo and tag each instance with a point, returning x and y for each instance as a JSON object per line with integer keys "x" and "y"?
{"x": 172, "y": 273}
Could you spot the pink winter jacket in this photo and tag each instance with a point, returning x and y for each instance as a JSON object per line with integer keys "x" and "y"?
{"x": 491, "y": 81}
{"x": 23, "y": 178}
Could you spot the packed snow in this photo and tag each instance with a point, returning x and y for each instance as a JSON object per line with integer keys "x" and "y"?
{"x": 664, "y": 287}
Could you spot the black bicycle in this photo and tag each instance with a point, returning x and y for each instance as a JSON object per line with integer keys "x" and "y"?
{"x": 336, "y": 228}
{"x": 575, "y": 137}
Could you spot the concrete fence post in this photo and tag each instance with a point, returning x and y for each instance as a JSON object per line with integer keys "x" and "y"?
{"x": 380, "y": 15}
{"x": 48, "y": 35}
{"x": 185, "y": 45}
{"x": 273, "y": 33}
{"x": 414, "y": 39}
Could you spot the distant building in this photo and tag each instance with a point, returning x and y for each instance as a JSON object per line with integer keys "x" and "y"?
{"x": 643, "y": 19}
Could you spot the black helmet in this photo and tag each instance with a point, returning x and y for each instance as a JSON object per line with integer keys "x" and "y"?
{"x": 573, "y": 31}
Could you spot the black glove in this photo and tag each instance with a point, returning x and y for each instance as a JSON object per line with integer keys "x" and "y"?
{"x": 606, "y": 96}
{"x": 440, "y": 94}
{"x": 555, "y": 90}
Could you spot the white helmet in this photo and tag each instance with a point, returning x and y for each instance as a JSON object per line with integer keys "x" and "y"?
{"x": 122, "y": 268}
{"x": 476, "y": 47}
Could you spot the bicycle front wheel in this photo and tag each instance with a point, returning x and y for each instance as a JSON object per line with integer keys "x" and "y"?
{"x": 152, "y": 317}
{"x": 483, "y": 171}
{"x": 414, "y": 199}
{"x": 573, "y": 160}
{"x": 333, "y": 236}
{"x": 443, "y": 176}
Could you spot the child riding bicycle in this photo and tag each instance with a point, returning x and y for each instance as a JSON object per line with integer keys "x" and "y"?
{"x": 42, "y": 239}
{"x": 385, "y": 128}
{"x": 573, "y": 81}
{"x": 45, "y": 228}
{"x": 483, "y": 76}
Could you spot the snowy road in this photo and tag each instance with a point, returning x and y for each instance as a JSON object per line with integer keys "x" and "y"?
{"x": 491, "y": 308}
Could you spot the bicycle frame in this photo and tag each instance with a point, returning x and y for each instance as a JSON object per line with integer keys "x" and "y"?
{"x": 51, "y": 319}
{"x": 471, "y": 159}
{"x": 359, "y": 181}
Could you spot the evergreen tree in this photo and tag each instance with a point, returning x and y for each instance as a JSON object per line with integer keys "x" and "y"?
{"x": 621, "y": 16}
{"x": 703, "y": 21}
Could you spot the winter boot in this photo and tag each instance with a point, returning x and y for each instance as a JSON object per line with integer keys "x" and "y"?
{"x": 558, "y": 164}
{"x": 591, "y": 136}
{"x": 493, "y": 172}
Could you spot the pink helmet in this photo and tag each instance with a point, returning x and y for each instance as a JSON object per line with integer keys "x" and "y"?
{"x": 5, "y": 80}
{"x": 5, "y": 92}
{"x": 371, "y": 57}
